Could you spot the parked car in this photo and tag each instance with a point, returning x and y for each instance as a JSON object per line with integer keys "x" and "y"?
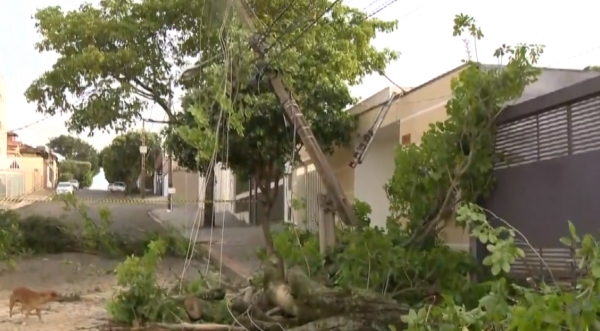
{"x": 65, "y": 188}
{"x": 75, "y": 183}
{"x": 117, "y": 187}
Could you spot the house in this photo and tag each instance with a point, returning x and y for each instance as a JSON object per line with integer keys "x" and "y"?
{"x": 30, "y": 168}
{"x": 189, "y": 186}
{"x": 407, "y": 119}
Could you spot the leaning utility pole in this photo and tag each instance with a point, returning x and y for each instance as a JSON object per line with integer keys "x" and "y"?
{"x": 338, "y": 200}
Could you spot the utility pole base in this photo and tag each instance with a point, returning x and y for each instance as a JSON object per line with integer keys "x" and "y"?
{"x": 170, "y": 199}
{"x": 326, "y": 224}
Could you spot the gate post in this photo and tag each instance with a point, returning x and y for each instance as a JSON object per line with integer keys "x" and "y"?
{"x": 326, "y": 224}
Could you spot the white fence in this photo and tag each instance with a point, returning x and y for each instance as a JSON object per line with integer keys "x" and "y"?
{"x": 13, "y": 184}
{"x": 303, "y": 195}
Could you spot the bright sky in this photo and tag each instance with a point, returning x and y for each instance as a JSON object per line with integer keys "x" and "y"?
{"x": 424, "y": 37}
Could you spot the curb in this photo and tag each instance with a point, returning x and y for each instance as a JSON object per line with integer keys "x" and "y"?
{"x": 230, "y": 267}
{"x": 18, "y": 205}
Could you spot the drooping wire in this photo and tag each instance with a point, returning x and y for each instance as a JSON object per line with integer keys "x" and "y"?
{"x": 191, "y": 246}
{"x": 196, "y": 227}
{"x": 277, "y": 18}
{"x": 308, "y": 27}
{"x": 228, "y": 66}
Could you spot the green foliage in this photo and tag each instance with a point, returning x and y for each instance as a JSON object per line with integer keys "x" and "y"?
{"x": 363, "y": 211}
{"x": 507, "y": 306}
{"x": 454, "y": 161}
{"x": 123, "y": 61}
{"x": 80, "y": 170}
{"x": 244, "y": 120}
{"x": 74, "y": 148}
{"x": 10, "y": 236}
{"x": 299, "y": 248}
{"x": 370, "y": 258}
{"x": 592, "y": 68}
{"x": 65, "y": 177}
{"x": 121, "y": 160}
{"x": 143, "y": 300}
{"x": 39, "y": 235}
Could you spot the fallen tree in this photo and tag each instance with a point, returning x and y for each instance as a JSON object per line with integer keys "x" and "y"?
{"x": 318, "y": 307}
{"x": 292, "y": 301}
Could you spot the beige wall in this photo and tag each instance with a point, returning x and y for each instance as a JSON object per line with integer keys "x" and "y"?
{"x": 32, "y": 168}
{"x": 189, "y": 186}
{"x": 3, "y": 125}
{"x": 186, "y": 185}
{"x": 411, "y": 114}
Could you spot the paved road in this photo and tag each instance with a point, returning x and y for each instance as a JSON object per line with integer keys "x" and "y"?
{"x": 126, "y": 218}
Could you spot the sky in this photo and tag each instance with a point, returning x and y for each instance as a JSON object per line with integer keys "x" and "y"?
{"x": 424, "y": 39}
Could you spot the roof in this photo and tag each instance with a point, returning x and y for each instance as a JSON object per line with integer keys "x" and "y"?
{"x": 59, "y": 157}
{"x": 550, "y": 80}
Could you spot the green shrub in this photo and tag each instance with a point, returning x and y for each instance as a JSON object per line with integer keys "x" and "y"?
{"x": 65, "y": 177}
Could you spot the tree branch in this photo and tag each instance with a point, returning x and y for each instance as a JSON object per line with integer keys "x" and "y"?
{"x": 150, "y": 120}
{"x": 160, "y": 101}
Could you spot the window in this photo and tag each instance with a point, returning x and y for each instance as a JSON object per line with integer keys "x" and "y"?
{"x": 406, "y": 139}
{"x": 14, "y": 165}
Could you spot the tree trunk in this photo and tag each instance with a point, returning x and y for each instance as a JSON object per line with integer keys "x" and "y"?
{"x": 323, "y": 308}
{"x": 265, "y": 222}
{"x": 209, "y": 197}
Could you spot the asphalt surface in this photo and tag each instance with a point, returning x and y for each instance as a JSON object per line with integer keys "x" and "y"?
{"x": 127, "y": 218}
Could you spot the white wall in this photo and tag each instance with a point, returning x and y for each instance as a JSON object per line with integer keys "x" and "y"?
{"x": 165, "y": 184}
{"x": 3, "y": 117}
{"x": 224, "y": 189}
{"x": 370, "y": 177}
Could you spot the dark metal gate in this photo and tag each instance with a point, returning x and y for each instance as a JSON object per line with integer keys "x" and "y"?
{"x": 551, "y": 171}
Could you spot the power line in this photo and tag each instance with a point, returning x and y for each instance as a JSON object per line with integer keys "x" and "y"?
{"x": 310, "y": 25}
{"x": 381, "y": 8}
{"x": 391, "y": 81}
{"x": 31, "y": 124}
{"x": 278, "y": 17}
{"x": 374, "y": 2}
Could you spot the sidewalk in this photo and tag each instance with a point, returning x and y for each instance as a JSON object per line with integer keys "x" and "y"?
{"x": 26, "y": 200}
{"x": 238, "y": 240}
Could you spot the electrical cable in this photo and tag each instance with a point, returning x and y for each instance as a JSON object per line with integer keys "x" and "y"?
{"x": 277, "y": 18}
{"x": 228, "y": 65}
{"x": 303, "y": 31}
{"x": 370, "y": 5}
{"x": 391, "y": 81}
{"x": 381, "y": 8}
{"x": 31, "y": 124}
{"x": 195, "y": 231}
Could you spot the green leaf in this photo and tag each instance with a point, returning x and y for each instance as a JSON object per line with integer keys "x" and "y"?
{"x": 506, "y": 267}
{"x": 496, "y": 269}
{"x": 483, "y": 238}
{"x": 573, "y": 232}
{"x": 566, "y": 241}
{"x": 487, "y": 261}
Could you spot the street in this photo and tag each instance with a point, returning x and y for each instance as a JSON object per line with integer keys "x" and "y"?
{"x": 126, "y": 218}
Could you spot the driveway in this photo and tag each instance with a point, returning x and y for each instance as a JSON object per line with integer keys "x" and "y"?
{"x": 126, "y": 217}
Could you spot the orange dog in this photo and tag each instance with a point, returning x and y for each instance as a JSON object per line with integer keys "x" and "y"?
{"x": 31, "y": 300}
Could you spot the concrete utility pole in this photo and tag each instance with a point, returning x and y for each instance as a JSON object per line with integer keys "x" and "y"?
{"x": 336, "y": 195}
{"x": 143, "y": 152}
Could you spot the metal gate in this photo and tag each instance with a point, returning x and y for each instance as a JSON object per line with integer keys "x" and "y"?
{"x": 550, "y": 172}
{"x": 302, "y": 198}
